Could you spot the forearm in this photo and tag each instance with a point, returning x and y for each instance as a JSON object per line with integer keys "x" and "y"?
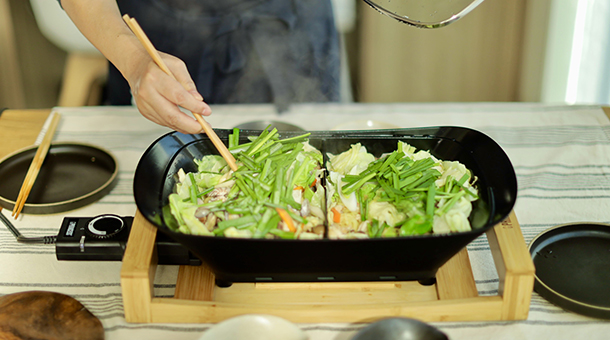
{"x": 157, "y": 95}
{"x": 101, "y": 23}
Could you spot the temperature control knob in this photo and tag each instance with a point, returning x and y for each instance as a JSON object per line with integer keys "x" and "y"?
{"x": 105, "y": 226}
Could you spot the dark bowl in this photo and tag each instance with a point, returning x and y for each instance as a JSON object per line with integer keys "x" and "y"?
{"x": 263, "y": 124}
{"x": 400, "y": 329}
{"x": 394, "y": 259}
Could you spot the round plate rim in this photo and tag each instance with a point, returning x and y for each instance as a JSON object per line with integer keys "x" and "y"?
{"x": 33, "y": 207}
{"x": 560, "y": 299}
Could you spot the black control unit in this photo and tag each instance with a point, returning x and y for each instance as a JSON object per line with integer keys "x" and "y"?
{"x": 104, "y": 238}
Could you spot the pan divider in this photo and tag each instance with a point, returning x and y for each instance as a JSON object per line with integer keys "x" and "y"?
{"x": 453, "y": 297}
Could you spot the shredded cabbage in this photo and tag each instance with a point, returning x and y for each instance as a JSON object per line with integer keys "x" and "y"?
{"x": 405, "y": 192}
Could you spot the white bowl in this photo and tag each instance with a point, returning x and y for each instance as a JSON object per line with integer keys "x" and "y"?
{"x": 254, "y": 327}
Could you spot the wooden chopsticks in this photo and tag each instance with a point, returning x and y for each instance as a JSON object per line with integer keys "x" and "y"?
{"x": 34, "y": 168}
{"x": 137, "y": 30}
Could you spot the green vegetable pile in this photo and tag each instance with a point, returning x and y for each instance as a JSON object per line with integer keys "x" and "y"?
{"x": 402, "y": 193}
{"x": 275, "y": 192}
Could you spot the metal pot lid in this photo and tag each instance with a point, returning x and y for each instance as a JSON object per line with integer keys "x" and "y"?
{"x": 572, "y": 267}
{"x": 73, "y": 175}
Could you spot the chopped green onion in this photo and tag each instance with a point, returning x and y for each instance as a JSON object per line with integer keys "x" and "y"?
{"x": 193, "y": 189}
{"x": 265, "y": 136}
{"x": 295, "y": 139}
{"x": 354, "y": 186}
{"x": 431, "y": 201}
{"x": 449, "y": 204}
{"x": 282, "y": 234}
{"x": 237, "y": 221}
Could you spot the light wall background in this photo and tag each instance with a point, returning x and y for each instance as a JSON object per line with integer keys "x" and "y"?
{"x": 504, "y": 50}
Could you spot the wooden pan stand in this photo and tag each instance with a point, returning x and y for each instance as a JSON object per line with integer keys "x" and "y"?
{"x": 453, "y": 297}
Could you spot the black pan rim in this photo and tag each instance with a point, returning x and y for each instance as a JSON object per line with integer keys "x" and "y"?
{"x": 562, "y": 300}
{"x": 473, "y": 231}
{"x": 376, "y": 133}
{"x": 416, "y": 258}
{"x": 74, "y": 203}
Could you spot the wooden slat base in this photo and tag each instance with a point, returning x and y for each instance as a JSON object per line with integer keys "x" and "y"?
{"x": 454, "y": 297}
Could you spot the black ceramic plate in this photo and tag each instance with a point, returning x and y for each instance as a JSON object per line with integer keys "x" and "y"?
{"x": 72, "y": 175}
{"x": 396, "y": 259}
{"x": 572, "y": 267}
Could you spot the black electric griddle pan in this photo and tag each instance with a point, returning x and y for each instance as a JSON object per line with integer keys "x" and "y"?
{"x": 406, "y": 258}
{"x": 573, "y": 267}
{"x": 72, "y": 176}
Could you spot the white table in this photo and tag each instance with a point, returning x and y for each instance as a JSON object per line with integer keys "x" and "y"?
{"x": 561, "y": 155}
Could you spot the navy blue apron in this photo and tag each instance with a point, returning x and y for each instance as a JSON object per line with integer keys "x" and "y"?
{"x": 243, "y": 51}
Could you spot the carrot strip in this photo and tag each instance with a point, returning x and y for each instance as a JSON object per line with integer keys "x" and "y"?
{"x": 336, "y": 215}
{"x": 286, "y": 218}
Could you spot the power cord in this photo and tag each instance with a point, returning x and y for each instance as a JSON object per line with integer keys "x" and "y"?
{"x": 23, "y": 239}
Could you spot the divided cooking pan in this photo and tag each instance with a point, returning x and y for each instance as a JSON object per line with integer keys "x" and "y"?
{"x": 394, "y": 259}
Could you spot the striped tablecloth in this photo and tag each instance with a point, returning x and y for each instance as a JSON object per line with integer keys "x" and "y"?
{"x": 561, "y": 155}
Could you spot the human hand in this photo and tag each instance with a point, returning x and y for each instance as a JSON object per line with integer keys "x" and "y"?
{"x": 158, "y": 95}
